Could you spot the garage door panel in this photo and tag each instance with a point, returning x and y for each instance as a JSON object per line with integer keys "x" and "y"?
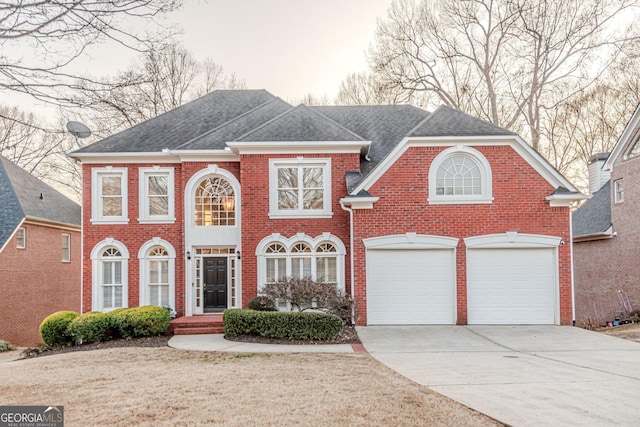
{"x": 511, "y": 286}
{"x": 410, "y": 287}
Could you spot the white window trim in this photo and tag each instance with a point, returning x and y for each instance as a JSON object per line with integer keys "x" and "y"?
{"x": 143, "y": 257}
{"x": 616, "y": 186}
{"x": 274, "y": 164}
{"x": 67, "y": 260}
{"x": 288, "y": 244}
{"x": 96, "y": 196}
{"x": 485, "y": 197}
{"x": 24, "y": 238}
{"x": 96, "y": 252}
{"x": 143, "y": 202}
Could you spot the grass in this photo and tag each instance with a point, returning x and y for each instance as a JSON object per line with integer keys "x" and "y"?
{"x": 166, "y": 387}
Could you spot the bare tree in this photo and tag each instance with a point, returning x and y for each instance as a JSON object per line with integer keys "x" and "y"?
{"x": 511, "y": 62}
{"x": 366, "y": 89}
{"x": 57, "y": 32}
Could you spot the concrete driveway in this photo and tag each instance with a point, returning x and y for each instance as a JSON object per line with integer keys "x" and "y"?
{"x": 519, "y": 375}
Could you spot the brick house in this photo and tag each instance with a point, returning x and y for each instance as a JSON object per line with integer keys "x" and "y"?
{"x": 426, "y": 218}
{"x": 39, "y": 254}
{"x": 606, "y": 231}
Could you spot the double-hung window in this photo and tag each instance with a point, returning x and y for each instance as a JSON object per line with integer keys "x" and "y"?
{"x": 21, "y": 238}
{"x": 300, "y": 187}
{"x": 109, "y": 195}
{"x": 618, "y": 191}
{"x": 111, "y": 285}
{"x": 66, "y": 247}
{"x": 156, "y": 195}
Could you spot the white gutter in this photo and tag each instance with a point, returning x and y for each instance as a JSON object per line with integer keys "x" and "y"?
{"x": 351, "y": 258}
{"x": 573, "y": 286}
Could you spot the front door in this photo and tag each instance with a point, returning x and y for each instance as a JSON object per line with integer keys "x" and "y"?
{"x": 215, "y": 284}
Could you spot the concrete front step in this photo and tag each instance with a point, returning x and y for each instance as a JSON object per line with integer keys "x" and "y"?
{"x": 199, "y": 330}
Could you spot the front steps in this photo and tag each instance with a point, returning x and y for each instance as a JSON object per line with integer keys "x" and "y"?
{"x": 197, "y": 325}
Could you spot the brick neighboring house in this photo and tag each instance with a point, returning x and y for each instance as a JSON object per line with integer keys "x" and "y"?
{"x": 426, "y": 218}
{"x": 606, "y": 231}
{"x": 40, "y": 257}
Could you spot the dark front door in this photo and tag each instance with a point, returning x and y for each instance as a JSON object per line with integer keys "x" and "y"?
{"x": 215, "y": 284}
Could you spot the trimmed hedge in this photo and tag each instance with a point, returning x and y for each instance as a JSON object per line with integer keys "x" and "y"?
{"x": 262, "y": 303}
{"x": 54, "y": 329}
{"x": 291, "y": 325}
{"x": 147, "y": 320}
{"x": 90, "y": 327}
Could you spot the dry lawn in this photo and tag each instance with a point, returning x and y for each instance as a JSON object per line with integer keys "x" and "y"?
{"x": 629, "y": 332}
{"x": 168, "y": 387}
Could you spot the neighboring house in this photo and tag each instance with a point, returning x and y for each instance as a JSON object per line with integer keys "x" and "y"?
{"x": 606, "y": 230}
{"x": 426, "y": 218}
{"x": 40, "y": 256}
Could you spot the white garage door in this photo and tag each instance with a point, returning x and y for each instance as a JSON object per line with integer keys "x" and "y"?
{"x": 410, "y": 287}
{"x": 511, "y": 286}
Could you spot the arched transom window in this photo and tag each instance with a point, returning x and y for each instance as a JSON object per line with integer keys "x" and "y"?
{"x": 215, "y": 202}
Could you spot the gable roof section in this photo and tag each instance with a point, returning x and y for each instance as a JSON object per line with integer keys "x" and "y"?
{"x": 629, "y": 137}
{"x": 20, "y": 198}
{"x": 182, "y": 124}
{"x": 300, "y": 124}
{"x": 593, "y": 218}
{"x": 447, "y": 121}
{"x": 384, "y": 125}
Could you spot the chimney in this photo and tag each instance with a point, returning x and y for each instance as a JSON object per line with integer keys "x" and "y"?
{"x": 597, "y": 176}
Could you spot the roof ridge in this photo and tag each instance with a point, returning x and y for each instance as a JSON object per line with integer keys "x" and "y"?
{"x": 291, "y": 110}
{"x": 425, "y": 120}
{"x": 230, "y": 121}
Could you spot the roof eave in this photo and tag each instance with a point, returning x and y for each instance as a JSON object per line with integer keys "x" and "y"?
{"x": 298, "y": 147}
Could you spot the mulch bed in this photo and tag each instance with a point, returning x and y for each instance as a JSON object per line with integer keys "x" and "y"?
{"x": 348, "y": 335}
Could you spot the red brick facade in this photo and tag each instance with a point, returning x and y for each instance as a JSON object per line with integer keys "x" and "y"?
{"x": 519, "y": 204}
{"x": 35, "y": 282}
{"x": 604, "y": 267}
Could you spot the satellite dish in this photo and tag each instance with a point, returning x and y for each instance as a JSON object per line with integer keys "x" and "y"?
{"x": 78, "y": 130}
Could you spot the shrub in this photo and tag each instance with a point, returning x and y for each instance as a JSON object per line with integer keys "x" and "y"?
{"x": 145, "y": 321}
{"x": 282, "y": 324}
{"x": 262, "y": 303}
{"x": 55, "y": 328}
{"x": 90, "y": 327}
{"x": 116, "y": 324}
{"x": 5, "y": 346}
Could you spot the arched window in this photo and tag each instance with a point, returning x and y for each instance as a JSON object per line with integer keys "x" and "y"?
{"x": 158, "y": 279}
{"x": 321, "y": 259}
{"x": 214, "y": 202}
{"x": 111, "y": 283}
{"x": 460, "y": 175}
{"x": 157, "y": 273}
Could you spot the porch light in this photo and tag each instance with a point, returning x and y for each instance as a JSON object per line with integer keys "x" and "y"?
{"x": 238, "y": 254}
{"x": 228, "y": 203}
{"x": 188, "y": 254}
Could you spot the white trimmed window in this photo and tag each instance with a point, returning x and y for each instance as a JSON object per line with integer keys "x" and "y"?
{"x": 460, "y": 175}
{"x": 109, "y": 195}
{"x": 300, "y": 187}
{"x": 66, "y": 247}
{"x": 156, "y": 195}
{"x": 618, "y": 191}
{"x": 321, "y": 259}
{"x": 157, "y": 273}
{"x": 109, "y": 270}
{"x": 21, "y": 238}
{"x": 215, "y": 203}
{"x": 111, "y": 280}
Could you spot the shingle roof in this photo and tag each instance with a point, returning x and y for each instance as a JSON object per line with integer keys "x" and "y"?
{"x": 447, "y": 121}
{"x": 594, "y": 216}
{"x": 20, "y": 197}
{"x": 384, "y": 125}
{"x": 301, "y": 123}
{"x": 216, "y": 138}
{"x": 182, "y": 124}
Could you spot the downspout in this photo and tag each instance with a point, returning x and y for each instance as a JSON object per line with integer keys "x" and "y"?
{"x": 573, "y": 290}
{"x": 351, "y": 258}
